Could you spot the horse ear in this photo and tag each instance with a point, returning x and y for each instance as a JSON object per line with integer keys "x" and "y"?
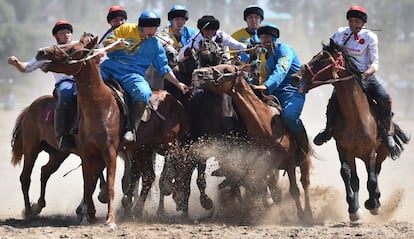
{"x": 92, "y": 43}
{"x": 331, "y": 42}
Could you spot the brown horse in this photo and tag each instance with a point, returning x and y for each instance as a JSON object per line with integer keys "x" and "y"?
{"x": 98, "y": 138}
{"x": 355, "y": 128}
{"x": 265, "y": 128}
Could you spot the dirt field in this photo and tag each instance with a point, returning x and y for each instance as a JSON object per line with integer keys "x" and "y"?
{"x": 330, "y": 218}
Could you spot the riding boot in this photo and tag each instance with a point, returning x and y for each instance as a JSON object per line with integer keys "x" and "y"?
{"x": 302, "y": 146}
{"x": 135, "y": 115}
{"x": 65, "y": 140}
{"x": 386, "y": 133}
{"x": 331, "y": 111}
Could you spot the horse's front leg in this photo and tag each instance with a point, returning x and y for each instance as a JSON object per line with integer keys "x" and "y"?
{"x": 305, "y": 180}
{"x": 351, "y": 181}
{"x": 205, "y": 200}
{"x": 373, "y": 169}
{"x": 90, "y": 179}
{"x": 29, "y": 161}
{"x": 293, "y": 187}
{"x": 145, "y": 163}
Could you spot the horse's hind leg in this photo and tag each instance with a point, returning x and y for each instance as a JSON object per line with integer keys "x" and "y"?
{"x": 56, "y": 159}
{"x": 275, "y": 190}
{"x": 28, "y": 165}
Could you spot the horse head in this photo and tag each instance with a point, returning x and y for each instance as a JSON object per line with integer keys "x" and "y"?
{"x": 62, "y": 58}
{"x": 209, "y": 53}
{"x": 326, "y": 67}
{"x": 218, "y": 79}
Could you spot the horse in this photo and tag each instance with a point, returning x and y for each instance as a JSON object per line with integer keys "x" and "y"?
{"x": 355, "y": 128}
{"x": 100, "y": 121}
{"x": 265, "y": 129}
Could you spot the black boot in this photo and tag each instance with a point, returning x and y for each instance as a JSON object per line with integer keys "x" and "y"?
{"x": 303, "y": 146}
{"x": 64, "y": 140}
{"x": 386, "y": 133}
{"x": 331, "y": 110}
{"x": 135, "y": 115}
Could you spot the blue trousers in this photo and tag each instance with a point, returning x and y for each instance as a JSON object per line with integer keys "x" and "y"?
{"x": 66, "y": 93}
{"x": 292, "y": 106}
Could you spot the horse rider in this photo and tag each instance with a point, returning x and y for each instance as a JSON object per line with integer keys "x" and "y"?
{"x": 362, "y": 45}
{"x": 276, "y": 67}
{"x": 209, "y": 29}
{"x": 253, "y": 15}
{"x": 127, "y": 65}
{"x": 117, "y": 15}
{"x": 65, "y": 87}
{"x": 178, "y": 30}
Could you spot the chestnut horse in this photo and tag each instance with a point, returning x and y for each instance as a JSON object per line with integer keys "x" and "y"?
{"x": 265, "y": 128}
{"x": 355, "y": 128}
{"x": 97, "y": 141}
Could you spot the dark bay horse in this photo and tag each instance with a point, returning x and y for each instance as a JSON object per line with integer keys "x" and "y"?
{"x": 97, "y": 141}
{"x": 265, "y": 128}
{"x": 355, "y": 128}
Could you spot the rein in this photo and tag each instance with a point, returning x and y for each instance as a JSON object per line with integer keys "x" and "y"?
{"x": 337, "y": 66}
{"x": 92, "y": 53}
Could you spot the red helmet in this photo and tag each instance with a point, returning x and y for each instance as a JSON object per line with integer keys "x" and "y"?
{"x": 358, "y": 12}
{"x": 116, "y": 11}
{"x": 60, "y": 25}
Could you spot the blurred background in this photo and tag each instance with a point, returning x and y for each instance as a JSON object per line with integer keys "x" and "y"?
{"x": 304, "y": 24}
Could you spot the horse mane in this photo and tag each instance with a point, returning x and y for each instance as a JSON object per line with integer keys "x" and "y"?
{"x": 349, "y": 60}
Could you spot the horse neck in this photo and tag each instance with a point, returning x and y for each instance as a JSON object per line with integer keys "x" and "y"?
{"x": 352, "y": 101}
{"x": 89, "y": 82}
{"x": 253, "y": 111}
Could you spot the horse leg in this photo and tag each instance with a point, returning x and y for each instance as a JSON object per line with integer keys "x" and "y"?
{"x": 166, "y": 181}
{"x": 28, "y": 165}
{"x": 373, "y": 169}
{"x": 102, "y": 196}
{"x": 205, "y": 200}
{"x": 305, "y": 181}
{"x": 145, "y": 163}
{"x": 110, "y": 163}
{"x": 130, "y": 179}
{"x": 293, "y": 187}
{"x": 90, "y": 178}
{"x": 351, "y": 181}
{"x": 275, "y": 191}
{"x": 182, "y": 187}
{"x": 56, "y": 159}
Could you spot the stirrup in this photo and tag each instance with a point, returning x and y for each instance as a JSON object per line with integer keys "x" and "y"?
{"x": 323, "y": 137}
{"x": 129, "y": 136}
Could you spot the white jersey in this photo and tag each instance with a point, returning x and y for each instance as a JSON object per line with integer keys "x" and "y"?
{"x": 227, "y": 41}
{"x": 34, "y": 64}
{"x": 363, "y": 46}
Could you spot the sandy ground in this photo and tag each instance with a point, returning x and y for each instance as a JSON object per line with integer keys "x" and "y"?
{"x": 330, "y": 218}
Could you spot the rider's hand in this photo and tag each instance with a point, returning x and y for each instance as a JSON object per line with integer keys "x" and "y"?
{"x": 12, "y": 60}
{"x": 183, "y": 87}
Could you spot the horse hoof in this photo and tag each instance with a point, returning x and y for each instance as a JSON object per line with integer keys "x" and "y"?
{"x": 355, "y": 216}
{"x": 374, "y": 211}
{"x": 126, "y": 202}
{"x": 111, "y": 226}
{"x": 103, "y": 198}
{"x": 206, "y": 202}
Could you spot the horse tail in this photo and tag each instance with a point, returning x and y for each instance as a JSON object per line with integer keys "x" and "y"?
{"x": 400, "y": 138}
{"x": 17, "y": 139}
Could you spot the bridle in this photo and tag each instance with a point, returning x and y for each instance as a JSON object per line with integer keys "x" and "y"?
{"x": 336, "y": 66}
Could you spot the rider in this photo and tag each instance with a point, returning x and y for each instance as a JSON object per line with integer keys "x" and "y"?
{"x": 127, "y": 64}
{"x": 178, "y": 30}
{"x": 209, "y": 29}
{"x": 362, "y": 45}
{"x": 253, "y": 15}
{"x": 65, "y": 87}
{"x": 277, "y": 65}
{"x": 117, "y": 15}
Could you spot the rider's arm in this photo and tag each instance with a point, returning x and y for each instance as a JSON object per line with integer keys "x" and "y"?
{"x": 25, "y": 67}
{"x": 171, "y": 78}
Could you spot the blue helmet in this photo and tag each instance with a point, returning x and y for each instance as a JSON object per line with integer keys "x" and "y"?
{"x": 178, "y": 11}
{"x": 149, "y": 19}
{"x": 269, "y": 29}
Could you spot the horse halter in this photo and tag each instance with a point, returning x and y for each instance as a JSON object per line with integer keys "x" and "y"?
{"x": 337, "y": 65}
